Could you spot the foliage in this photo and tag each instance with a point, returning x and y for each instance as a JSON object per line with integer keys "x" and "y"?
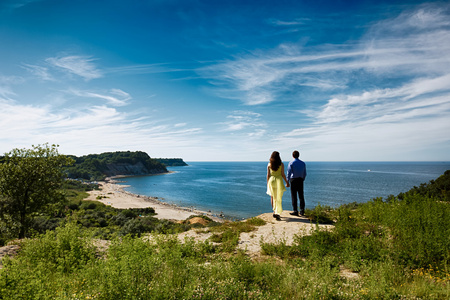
{"x": 439, "y": 188}
{"x": 100, "y": 220}
{"x": 76, "y": 190}
{"x": 384, "y": 249}
{"x": 29, "y": 183}
{"x": 64, "y": 265}
{"x": 320, "y": 214}
{"x": 397, "y": 247}
{"x": 172, "y": 162}
{"x": 99, "y": 166}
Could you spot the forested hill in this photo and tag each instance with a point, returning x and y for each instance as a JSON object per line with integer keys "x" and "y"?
{"x": 172, "y": 162}
{"x": 100, "y": 166}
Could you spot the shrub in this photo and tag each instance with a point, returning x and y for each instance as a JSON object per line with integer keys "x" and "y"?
{"x": 320, "y": 214}
{"x": 88, "y": 205}
{"x": 133, "y": 227}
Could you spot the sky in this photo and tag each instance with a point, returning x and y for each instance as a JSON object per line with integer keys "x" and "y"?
{"x": 228, "y": 80}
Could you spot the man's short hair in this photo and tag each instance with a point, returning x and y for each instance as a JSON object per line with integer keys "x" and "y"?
{"x": 295, "y": 154}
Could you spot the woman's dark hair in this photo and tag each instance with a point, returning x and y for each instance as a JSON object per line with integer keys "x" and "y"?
{"x": 275, "y": 160}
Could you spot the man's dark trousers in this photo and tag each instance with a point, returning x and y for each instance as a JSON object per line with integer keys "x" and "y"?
{"x": 297, "y": 188}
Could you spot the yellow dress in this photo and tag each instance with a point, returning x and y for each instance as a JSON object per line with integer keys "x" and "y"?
{"x": 276, "y": 188}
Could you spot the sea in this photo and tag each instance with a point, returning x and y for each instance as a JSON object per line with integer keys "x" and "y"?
{"x": 237, "y": 190}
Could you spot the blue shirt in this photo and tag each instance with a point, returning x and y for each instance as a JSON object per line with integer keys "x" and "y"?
{"x": 296, "y": 169}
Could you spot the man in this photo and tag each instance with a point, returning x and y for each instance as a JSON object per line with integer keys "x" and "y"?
{"x": 296, "y": 174}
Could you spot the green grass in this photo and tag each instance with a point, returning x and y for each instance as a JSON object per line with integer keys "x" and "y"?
{"x": 390, "y": 249}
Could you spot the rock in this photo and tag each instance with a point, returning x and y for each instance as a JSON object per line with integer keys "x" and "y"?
{"x": 10, "y": 250}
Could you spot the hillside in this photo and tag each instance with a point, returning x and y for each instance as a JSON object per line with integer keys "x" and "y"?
{"x": 100, "y": 166}
{"x": 172, "y": 162}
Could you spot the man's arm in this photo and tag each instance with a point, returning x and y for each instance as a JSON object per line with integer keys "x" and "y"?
{"x": 289, "y": 172}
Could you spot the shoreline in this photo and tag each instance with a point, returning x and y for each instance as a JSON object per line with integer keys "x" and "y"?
{"x": 114, "y": 194}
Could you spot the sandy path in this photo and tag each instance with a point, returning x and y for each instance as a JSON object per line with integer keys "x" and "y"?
{"x": 273, "y": 232}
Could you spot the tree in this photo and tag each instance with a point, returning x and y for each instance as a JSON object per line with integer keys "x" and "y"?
{"x": 29, "y": 183}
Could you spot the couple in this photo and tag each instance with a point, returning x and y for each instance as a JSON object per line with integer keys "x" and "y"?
{"x": 275, "y": 187}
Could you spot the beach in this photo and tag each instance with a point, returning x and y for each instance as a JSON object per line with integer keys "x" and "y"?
{"x": 113, "y": 194}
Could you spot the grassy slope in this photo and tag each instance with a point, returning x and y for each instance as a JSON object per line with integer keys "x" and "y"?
{"x": 395, "y": 249}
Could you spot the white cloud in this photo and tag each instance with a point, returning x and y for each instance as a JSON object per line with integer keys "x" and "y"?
{"x": 5, "y": 92}
{"x": 146, "y": 69}
{"x": 115, "y": 97}
{"x": 91, "y": 130}
{"x": 79, "y": 65}
{"x": 11, "y": 5}
{"x": 247, "y": 121}
{"x": 40, "y": 72}
{"x": 5, "y": 86}
{"x": 418, "y": 95}
{"x": 372, "y": 123}
{"x": 387, "y": 95}
{"x": 415, "y": 44}
{"x": 295, "y": 22}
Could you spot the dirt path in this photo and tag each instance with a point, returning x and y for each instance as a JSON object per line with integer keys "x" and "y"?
{"x": 272, "y": 232}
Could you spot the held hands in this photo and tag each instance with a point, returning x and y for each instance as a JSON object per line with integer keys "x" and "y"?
{"x": 287, "y": 184}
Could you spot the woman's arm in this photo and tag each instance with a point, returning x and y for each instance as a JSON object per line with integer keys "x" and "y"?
{"x": 268, "y": 172}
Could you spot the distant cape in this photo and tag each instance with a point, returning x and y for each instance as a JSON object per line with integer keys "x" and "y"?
{"x": 172, "y": 162}
{"x": 121, "y": 163}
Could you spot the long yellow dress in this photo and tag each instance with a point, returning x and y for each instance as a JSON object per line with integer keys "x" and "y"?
{"x": 276, "y": 188}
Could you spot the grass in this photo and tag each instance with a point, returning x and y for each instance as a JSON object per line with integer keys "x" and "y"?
{"x": 392, "y": 248}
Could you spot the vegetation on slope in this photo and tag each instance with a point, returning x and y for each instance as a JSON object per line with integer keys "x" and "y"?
{"x": 99, "y": 166}
{"x": 439, "y": 188}
{"x": 172, "y": 162}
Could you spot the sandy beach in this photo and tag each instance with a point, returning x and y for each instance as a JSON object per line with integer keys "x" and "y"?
{"x": 113, "y": 194}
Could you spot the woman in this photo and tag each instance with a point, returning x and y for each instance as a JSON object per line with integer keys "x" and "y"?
{"x": 275, "y": 185}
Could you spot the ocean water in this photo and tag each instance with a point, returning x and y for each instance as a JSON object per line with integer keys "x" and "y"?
{"x": 238, "y": 189}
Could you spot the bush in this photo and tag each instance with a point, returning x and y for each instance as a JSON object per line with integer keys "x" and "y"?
{"x": 320, "y": 214}
{"x": 73, "y": 206}
{"x": 41, "y": 224}
{"x": 88, "y": 205}
{"x": 133, "y": 227}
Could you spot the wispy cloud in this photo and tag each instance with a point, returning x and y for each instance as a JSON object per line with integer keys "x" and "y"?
{"x": 11, "y": 5}
{"x": 390, "y": 89}
{"x": 424, "y": 97}
{"x": 115, "y": 97}
{"x": 79, "y": 65}
{"x": 92, "y": 129}
{"x": 245, "y": 121}
{"x": 295, "y": 22}
{"x": 5, "y": 85}
{"x": 40, "y": 72}
{"x": 148, "y": 68}
{"x": 404, "y": 120}
{"x": 417, "y": 43}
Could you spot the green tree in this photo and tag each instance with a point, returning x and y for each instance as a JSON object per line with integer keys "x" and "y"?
{"x": 29, "y": 183}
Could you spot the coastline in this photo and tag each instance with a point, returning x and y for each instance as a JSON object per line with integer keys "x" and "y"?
{"x": 113, "y": 194}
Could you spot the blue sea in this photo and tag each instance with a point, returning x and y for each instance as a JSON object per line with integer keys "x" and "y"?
{"x": 238, "y": 189}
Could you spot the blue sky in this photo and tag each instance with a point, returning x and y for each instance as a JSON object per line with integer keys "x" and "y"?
{"x": 228, "y": 80}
